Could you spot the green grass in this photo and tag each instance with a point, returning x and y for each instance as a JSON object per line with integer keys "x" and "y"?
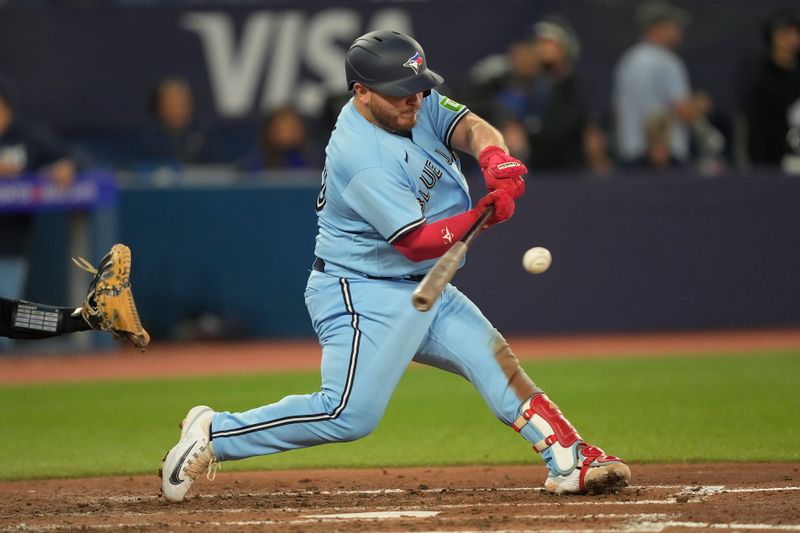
{"x": 678, "y": 409}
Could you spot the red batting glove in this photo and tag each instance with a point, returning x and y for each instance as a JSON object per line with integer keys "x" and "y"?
{"x": 503, "y": 202}
{"x": 501, "y": 171}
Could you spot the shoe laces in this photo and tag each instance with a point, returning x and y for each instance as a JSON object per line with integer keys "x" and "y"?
{"x": 200, "y": 461}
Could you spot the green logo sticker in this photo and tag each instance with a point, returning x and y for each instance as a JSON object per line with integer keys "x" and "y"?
{"x": 450, "y": 105}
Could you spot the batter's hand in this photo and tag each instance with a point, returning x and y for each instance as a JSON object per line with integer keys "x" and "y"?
{"x": 501, "y": 171}
{"x": 503, "y": 202}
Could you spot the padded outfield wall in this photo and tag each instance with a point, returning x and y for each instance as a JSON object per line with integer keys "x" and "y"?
{"x": 633, "y": 254}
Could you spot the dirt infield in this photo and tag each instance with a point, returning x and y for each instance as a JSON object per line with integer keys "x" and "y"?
{"x": 661, "y": 498}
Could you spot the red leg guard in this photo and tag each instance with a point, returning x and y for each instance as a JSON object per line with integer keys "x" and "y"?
{"x": 548, "y": 420}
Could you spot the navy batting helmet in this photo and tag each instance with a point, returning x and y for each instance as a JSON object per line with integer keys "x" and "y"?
{"x": 391, "y": 63}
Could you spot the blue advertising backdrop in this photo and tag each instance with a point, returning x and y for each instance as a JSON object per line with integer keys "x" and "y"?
{"x": 631, "y": 254}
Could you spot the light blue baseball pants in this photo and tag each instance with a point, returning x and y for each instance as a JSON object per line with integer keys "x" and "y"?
{"x": 369, "y": 333}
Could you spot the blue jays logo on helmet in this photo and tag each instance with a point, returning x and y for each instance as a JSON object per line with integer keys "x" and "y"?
{"x": 414, "y": 62}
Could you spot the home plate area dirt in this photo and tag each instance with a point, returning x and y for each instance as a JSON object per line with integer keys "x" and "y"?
{"x": 740, "y": 497}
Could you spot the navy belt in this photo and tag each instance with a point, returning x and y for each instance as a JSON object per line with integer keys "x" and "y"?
{"x": 319, "y": 266}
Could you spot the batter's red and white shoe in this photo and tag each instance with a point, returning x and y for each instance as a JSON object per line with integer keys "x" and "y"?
{"x": 192, "y": 456}
{"x": 596, "y": 473}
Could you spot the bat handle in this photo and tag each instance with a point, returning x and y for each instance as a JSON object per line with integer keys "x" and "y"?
{"x": 476, "y": 228}
{"x": 434, "y": 282}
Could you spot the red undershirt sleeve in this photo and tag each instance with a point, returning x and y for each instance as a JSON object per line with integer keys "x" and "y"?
{"x": 433, "y": 239}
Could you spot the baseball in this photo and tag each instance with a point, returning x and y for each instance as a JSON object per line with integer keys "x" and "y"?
{"x": 537, "y": 260}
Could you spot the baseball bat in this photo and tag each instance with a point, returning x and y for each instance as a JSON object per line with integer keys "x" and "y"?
{"x": 432, "y": 285}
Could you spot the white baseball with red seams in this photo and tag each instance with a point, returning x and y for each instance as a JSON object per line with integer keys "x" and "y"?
{"x": 537, "y": 260}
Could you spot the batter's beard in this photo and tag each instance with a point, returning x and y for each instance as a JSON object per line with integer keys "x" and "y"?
{"x": 389, "y": 122}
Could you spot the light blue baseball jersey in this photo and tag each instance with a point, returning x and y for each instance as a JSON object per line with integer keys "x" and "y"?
{"x": 377, "y": 186}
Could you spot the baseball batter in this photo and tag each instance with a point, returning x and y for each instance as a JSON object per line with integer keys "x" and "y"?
{"x": 393, "y": 199}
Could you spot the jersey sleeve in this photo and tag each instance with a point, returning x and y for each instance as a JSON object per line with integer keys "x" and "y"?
{"x": 445, "y": 114}
{"x": 385, "y": 202}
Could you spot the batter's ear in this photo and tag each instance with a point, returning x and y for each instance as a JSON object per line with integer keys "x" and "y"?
{"x": 361, "y": 92}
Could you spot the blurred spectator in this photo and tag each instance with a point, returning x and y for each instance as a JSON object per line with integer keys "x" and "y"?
{"x": 283, "y": 144}
{"x": 173, "y": 138}
{"x": 498, "y": 86}
{"x": 651, "y": 86}
{"x": 596, "y": 151}
{"x": 772, "y": 98}
{"x": 25, "y": 148}
{"x": 536, "y": 99}
{"x": 658, "y": 134}
{"x": 555, "y": 133}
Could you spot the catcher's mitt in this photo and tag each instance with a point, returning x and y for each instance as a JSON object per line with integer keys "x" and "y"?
{"x": 109, "y": 304}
